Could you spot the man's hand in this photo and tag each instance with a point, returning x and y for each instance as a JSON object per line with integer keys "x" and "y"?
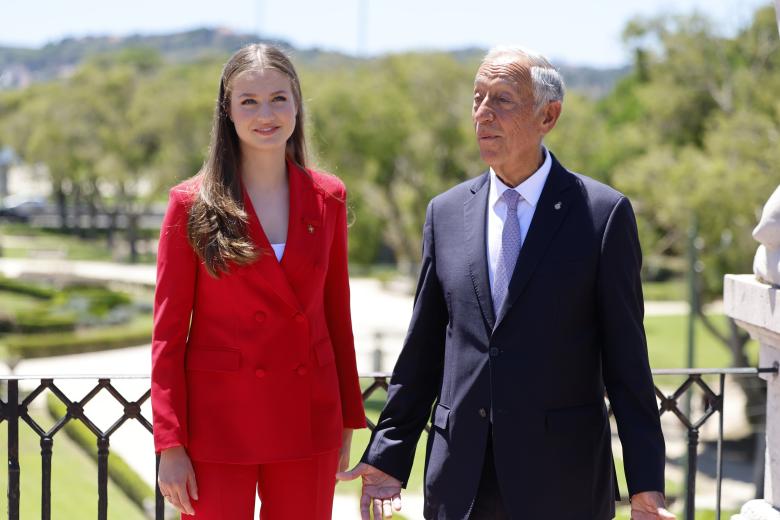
{"x": 176, "y": 477}
{"x": 649, "y": 505}
{"x": 381, "y": 492}
{"x": 346, "y": 444}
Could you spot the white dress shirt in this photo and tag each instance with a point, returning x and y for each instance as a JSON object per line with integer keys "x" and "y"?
{"x": 530, "y": 190}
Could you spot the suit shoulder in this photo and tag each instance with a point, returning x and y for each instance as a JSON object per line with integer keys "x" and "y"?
{"x": 187, "y": 190}
{"x": 460, "y": 192}
{"x": 598, "y": 193}
{"x": 328, "y": 183}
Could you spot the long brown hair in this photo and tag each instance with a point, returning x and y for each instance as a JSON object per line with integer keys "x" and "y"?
{"x": 217, "y": 225}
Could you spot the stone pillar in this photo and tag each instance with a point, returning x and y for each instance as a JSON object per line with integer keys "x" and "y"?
{"x": 755, "y": 306}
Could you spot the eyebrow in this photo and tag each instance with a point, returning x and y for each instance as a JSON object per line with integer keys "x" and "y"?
{"x": 252, "y": 94}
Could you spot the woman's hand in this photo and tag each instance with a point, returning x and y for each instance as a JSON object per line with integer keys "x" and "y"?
{"x": 177, "y": 479}
{"x": 346, "y": 444}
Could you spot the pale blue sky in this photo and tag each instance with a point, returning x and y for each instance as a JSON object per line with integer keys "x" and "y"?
{"x": 570, "y": 31}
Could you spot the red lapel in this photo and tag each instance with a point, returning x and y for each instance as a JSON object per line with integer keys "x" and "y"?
{"x": 304, "y": 223}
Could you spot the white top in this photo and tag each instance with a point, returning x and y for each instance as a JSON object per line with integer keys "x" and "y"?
{"x": 530, "y": 190}
{"x": 278, "y": 251}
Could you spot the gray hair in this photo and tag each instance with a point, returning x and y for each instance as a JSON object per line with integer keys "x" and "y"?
{"x": 547, "y": 82}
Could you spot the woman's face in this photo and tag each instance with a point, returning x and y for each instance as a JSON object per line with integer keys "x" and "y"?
{"x": 263, "y": 110}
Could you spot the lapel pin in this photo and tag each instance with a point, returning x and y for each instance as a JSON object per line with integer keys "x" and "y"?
{"x": 557, "y": 205}
{"x": 311, "y": 229}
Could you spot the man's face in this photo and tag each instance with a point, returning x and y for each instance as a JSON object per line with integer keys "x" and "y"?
{"x": 507, "y": 127}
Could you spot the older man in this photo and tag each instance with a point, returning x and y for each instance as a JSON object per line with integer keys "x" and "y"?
{"x": 528, "y": 306}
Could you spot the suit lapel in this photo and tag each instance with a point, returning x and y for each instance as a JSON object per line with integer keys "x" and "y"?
{"x": 304, "y": 224}
{"x": 266, "y": 265}
{"x": 474, "y": 216}
{"x": 550, "y": 211}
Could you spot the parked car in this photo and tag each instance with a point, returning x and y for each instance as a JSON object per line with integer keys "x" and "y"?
{"x": 20, "y": 208}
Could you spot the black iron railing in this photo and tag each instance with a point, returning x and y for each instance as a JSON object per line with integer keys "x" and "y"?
{"x": 13, "y": 411}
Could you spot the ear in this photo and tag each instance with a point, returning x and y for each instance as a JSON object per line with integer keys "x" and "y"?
{"x": 550, "y": 115}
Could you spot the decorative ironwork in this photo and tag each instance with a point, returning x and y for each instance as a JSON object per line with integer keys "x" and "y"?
{"x": 13, "y": 410}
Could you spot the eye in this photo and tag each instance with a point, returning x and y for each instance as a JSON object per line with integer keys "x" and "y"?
{"x": 249, "y": 102}
{"x": 279, "y": 98}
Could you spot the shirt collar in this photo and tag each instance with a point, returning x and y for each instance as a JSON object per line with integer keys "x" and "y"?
{"x": 530, "y": 189}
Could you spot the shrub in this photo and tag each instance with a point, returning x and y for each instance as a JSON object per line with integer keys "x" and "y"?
{"x": 30, "y": 289}
{"x": 44, "y": 320}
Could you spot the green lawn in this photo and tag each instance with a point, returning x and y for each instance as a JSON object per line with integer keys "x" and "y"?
{"x": 135, "y": 332}
{"x": 13, "y": 303}
{"x": 667, "y": 343}
{"x": 22, "y": 241}
{"x": 669, "y": 290}
{"x": 74, "y": 479}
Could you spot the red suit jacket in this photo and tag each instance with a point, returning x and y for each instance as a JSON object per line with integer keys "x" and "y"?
{"x": 257, "y": 365}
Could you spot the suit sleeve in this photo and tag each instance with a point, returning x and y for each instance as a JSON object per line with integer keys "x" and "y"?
{"x": 337, "y": 314}
{"x": 417, "y": 373}
{"x": 173, "y": 302}
{"x": 627, "y": 376}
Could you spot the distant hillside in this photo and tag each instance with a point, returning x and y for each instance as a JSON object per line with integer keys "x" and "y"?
{"x": 20, "y": 67}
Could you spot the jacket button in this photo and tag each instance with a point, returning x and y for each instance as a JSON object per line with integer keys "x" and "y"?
{"x": 259, "y": 316}
{"x": 301, "y": 370}
{"x": 299, "y": 318}
{"x": 482, "y": 413}
{"x": 493, "y": 352}
{"x": 259, "y": 373}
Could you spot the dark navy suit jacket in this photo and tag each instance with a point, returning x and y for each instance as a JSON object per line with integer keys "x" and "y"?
{"x": 570, "y": 327}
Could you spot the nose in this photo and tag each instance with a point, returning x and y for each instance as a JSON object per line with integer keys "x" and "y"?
{"x": 483, "y": 113}
{"x": 265, "y": 111}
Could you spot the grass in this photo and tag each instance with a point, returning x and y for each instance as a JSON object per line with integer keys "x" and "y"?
{"x": 668, "y": 290}
{"x": 66, "y": 246}
{"x": 23, "y": 241}
{"x": 13, "y": 302}
{"x": 136, "y": 332}
{"x": 74, "y": 479}
{"x": 667, "y": 343}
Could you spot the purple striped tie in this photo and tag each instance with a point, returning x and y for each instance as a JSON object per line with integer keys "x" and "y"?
{"x": 510, "y": 249}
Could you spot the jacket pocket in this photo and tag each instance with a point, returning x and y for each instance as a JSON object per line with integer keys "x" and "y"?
{"x": 576, "y": 419}
{"x": 441, "y": 416}
{"x": 323, "y": 350}
{"x": 214, "y": 359}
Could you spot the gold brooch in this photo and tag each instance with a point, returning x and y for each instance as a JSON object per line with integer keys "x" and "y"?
{"x": 311, "y": 229}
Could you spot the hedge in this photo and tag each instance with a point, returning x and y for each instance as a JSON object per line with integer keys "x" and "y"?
{"x": 29, "y": 289}
{"x": 26, "y": 346}
{"x": 136, "y": 489}
{"x": 43, "y": 320}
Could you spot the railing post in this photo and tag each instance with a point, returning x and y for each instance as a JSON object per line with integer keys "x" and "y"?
{"x": 13, "y": 450}
{"x": 690, "y": 484}
{"x": 159, "y": 502}
{"x": 47, "y": 443}
{"x": 102, "y": 444}
{"x": 719, "y": 460}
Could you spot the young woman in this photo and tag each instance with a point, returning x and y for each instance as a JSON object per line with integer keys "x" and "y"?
{"x": 254, "y": 383}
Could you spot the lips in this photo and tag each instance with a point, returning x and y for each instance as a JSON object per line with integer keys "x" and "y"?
{"x": 266, "y": 130}
{"x": 486, "y": 134}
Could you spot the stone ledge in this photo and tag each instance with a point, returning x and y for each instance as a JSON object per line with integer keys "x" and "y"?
{"x": 757, "y": 510}
{"x": 751, "y": 302}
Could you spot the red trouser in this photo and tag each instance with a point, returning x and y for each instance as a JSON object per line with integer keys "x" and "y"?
{"x": 288, "y": 490}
